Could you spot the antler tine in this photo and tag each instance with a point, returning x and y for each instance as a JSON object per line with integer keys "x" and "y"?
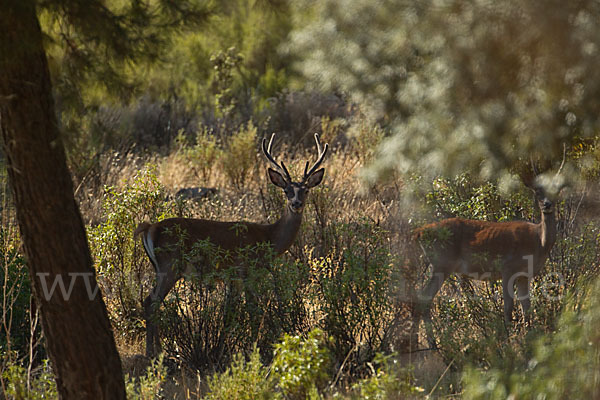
{"x": 318, "y": 141}
{"x": 321, "y": 152}
{"x": 267, "y": 152}
{"x": 286, "y": 172}
{"x": 562, "y": 164}
{"x": 271, "y": 141}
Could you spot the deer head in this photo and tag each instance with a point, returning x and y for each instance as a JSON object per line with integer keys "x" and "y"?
{"x": 296, "y": 192}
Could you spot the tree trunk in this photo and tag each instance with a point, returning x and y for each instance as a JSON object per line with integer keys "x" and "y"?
{"x": 75, "y": 322}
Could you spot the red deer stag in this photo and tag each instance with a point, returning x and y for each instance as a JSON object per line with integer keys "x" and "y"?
{"x": 512, "y": 251}
{"x": 227, "y": 236}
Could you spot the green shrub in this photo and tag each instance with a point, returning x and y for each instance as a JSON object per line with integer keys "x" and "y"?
{"x": 224, "y": 64}
{"x": 204, "y": 154}
{"x": 19, "y": 385}
{"x": 222, "y": 310}
{"x": 147, "y": 386}
{"x": 572, "y": 263}
{"x": 388, "y": 381}
{"x": 564, "y": 365}
{"x": 239, "y": 158}
{"x": 121, "y": 263}
{"x": 351, "y": 292}
{"x": 367, "y": 136}
{"x": 461, "y": 197}
{"x": 243, "y": 380}
{"x": 302, "y": 365}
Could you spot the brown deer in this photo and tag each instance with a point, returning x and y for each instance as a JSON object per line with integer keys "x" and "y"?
{"x": 512, "y": 251}
{"x": 168, "y": 235}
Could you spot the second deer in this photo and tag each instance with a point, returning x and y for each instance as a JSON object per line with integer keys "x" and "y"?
{"x": 514, "y": 252}
{"x": 168, "y": 234}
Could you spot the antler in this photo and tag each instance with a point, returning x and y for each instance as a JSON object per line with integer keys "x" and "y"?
{"x": 562, "y": 164}
{"x": 267, "y": 153}
{"x": 321, "y": 152}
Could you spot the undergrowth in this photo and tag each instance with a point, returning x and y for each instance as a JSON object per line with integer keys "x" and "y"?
{"x": 330, "y": 318}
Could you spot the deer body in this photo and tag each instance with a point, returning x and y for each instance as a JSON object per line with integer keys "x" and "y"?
{"x": 512, "y": 251}
{"x": 175, "y": 236}
{"x": 226, "y": 235}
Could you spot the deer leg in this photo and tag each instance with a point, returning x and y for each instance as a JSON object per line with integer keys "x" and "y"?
{"x": 508, "y": 295}
{"x": 424, "y": 303}
{"x": 523, "y": 297}
{"x": 164, "y": 283}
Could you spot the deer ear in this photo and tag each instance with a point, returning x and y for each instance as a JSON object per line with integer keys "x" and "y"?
{"x": 315, "y": 178}
{"x": 277, "y": 179}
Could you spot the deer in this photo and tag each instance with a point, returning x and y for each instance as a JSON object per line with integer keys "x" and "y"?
{"x": 227, "y": 236}
{"x": 513, "y": 251}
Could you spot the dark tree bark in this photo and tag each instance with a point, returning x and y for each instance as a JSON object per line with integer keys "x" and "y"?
{"x": 79, "y": 338}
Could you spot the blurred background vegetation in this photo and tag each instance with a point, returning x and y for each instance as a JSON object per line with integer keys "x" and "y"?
{"x": 433, "y": 109}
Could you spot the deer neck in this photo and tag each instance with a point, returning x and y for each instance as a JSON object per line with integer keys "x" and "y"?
{"x": 548, "y": 230}
{"x": 285, "y": 230}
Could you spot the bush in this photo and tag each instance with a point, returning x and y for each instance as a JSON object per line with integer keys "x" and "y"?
{"x": 123, "y": 273}
{"x": 15, "y": 296}
{"x": 296, "y": 115}
{"x": 147, "y": 386}
{"x": 351, "y": 293}
{"x": 565, "y": 365}
{"x": 19, "y": 385}
{"x": 302, "y": 366}
{"x": 239, "y": 160}
{"x": 461, "y": 197}
{"x": 243, "y": 381}
{"x": 204, "y": 154}
{"x": 222, "y": 311}
{"x": 388, "y": 381}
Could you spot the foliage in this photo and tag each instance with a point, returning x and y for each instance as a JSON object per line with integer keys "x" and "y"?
{"x": 232, "y": 302}
{"x": 243, "y": 380}
{"x": 161, "y": 67}
{"x": 302, "y": 365}
{"x": 351, "y": 291}
{"x": 388, "y": 381}
{"x": 123, "y": 273}
{"x": 239, "y": 160}
{"x": 243, "y": 37}
{"x": 462, "y": 197}
{"x": 572, "y": 264}
{"x": 564, "y": 365}
{"x": 99, "y": 52}
{"x": 449, "y": 76}
{"x": 20, "y": 385}
{"x": 147, "y": 386}
{"x": 15, "y": 296}
{"x": 223, "y": 64}
{"x": 203, "y": 154}
{"x": 86, "y": 50}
